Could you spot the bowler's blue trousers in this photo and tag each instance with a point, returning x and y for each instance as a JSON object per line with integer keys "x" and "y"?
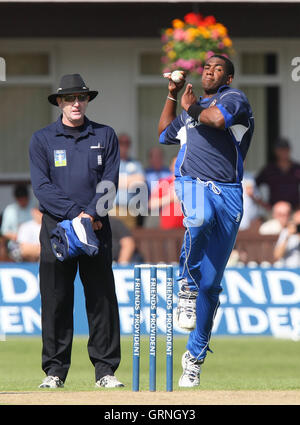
{"x": 212, "y": 214}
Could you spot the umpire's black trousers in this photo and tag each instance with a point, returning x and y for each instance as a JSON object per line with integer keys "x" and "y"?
{"x": 57, "y": 301}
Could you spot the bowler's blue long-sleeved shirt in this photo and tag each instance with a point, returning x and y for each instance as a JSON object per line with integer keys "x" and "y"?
{"x": 210, "y": 153}
{"x": 65, "y": 171}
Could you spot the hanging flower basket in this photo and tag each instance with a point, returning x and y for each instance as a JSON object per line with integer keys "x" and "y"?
{"x": 190, "y": 42}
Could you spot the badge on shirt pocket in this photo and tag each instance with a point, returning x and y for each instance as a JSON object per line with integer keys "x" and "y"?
{"x": 96, "y": 160}
{"x": 60, "y": 158}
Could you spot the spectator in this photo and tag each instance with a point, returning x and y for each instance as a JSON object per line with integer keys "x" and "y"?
{"x": 281, "y": 213}
{"x": 124, "y": 249}
{"x": 234, "y": 259}
{"x": 282, "y": 177}
{"x": 131, "y": 176}
{"x": 287, "y": 248}
{"x": 27, "y": 245}
{"x": 164, "y": 198}
{"x": 253, "y": 204}
{"x": 156, "y": 169}
{"x": 16, "y": 213}
{"x": 29, "y": 237}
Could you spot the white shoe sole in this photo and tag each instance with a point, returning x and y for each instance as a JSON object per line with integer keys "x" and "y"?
{"x": 52, "y": 382}
{"x": 51, "y": 387}
{"x": 186, "y": 384}
{"x": 110, "y": 386}
{"x": 109, "y": 383}
{"x": 177, "y": 325}
{"x": 188, "y": 326}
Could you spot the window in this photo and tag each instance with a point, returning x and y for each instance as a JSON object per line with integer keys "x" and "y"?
{"x": 150, "y": 63}
{"x": 24, "y": 107}
{"x": 24, "y": 64}
{"x": 23, "y": 110}
{"x": 258, "y": 77}
{"x": 259, "y": 63}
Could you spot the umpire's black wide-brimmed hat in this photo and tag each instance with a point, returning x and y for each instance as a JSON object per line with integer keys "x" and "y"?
{"x": 71, "y": 83}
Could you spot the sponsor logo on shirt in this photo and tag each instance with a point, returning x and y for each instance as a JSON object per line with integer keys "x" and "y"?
{"x": 191, "y": 123}
{"x": 60, "y": 158}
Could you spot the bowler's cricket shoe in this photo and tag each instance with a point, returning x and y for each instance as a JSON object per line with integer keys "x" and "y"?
{"x": 186, "y": 310}
{"x": 109, "y": 381}
{"x": 191, "y": 371}
{"x": 52, "y": 382}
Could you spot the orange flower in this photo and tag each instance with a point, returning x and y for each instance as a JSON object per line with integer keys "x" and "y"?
{"x": 177, "y": 23}
{"x": 204, "y": 32}
{"x": 227, "y": 42}
{"x": 169, "y": 32}
{"x": 221, "y": 29}
{"x": 191, "y": 34}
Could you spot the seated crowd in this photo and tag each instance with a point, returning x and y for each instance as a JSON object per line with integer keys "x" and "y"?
{"x": 271, "y": 209}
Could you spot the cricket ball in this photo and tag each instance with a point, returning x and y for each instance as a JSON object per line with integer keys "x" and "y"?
{"x": 176, "y": 76}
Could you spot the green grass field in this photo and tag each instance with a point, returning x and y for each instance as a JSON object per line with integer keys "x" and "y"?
{"x": 255, "y": 363}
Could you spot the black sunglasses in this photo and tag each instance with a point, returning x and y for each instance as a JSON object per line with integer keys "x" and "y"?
{"x": 73, "y": 97}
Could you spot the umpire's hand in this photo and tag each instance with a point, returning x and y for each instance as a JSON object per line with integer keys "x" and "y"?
{"x": 97, "y": 225}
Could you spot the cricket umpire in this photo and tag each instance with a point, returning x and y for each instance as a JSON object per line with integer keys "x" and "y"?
{"x": 68, "y": 159}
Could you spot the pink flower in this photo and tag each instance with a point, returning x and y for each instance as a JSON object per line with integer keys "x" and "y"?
{"x": 209, "y": 54}
{"x": 164, "y": 59}
{"x": 189, "y": 64}
{"x": 179, "y": 34}
{"x": 181, "y": 63}
{"x": 215, "y": 34}
{"x": 221, "y": 45}
{"x": 164, "y": 38}
{"x": 185, "y": 64}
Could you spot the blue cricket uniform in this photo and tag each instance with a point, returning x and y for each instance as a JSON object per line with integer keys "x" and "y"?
{"x": 209, "y": 171}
